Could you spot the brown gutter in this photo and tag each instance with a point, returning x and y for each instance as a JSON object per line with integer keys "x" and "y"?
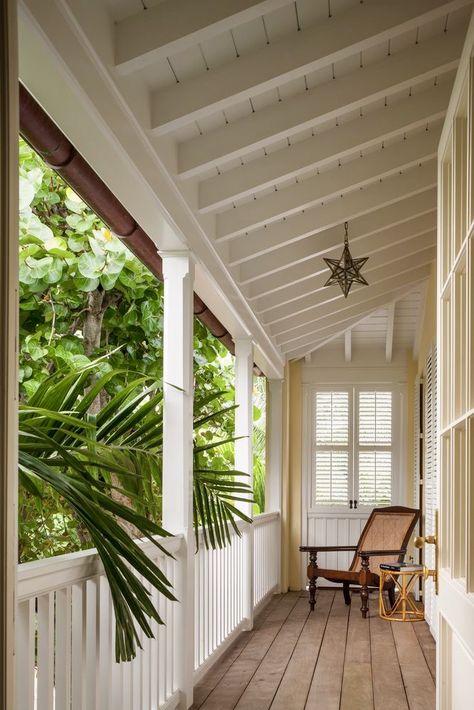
{"x": 57, "y": 151}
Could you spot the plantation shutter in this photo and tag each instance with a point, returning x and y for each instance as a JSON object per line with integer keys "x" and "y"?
{"x": 430, "y": 476}
{"x": 331, "y": 436}
{"x": 375, "y": 448}
{"x": 416, "y": 443}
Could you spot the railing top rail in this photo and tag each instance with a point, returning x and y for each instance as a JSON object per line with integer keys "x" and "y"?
{"x": 43, "y": 576}
{"x": 264, "y": 518}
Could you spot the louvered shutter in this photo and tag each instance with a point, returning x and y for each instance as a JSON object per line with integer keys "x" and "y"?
{"x": 374, "y": 448}
{"x": 430, "y": 476}
{"x": 331, "y": 436}
{"x": 416, "y": 443}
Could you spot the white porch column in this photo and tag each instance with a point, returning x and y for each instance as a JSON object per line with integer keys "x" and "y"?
{"x": 274, "y": 447}
{"x": 8, "y": 345}
{"x": 244, "y": 456}
{"x": 178, "y": 273}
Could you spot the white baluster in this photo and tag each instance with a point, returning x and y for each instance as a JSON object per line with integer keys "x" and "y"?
{"x": 45, "y": 651}
{"x": 25, "y": 658}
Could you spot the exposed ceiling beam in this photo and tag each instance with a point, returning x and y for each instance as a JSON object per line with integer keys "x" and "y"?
{"x": 352, "y": 205}
{"x": 328, "y": 41}
{"x": 336, "y": 315}
{"x": 305, "y": 321}
{"x": 300, "y": 278}
{"x": 357, "y": 172}
{"x": 321, "y": 104}
{"x": 285, "y": 266}
{"x": 320, "y": 150}
{"x": 262, "y": 251}
{"x": 390, "y": 328}
{"x": 338, "y": 326}
{"x": 176, "y": 25}
{"x": 275, "y": 311}
{"x": 347, "y": 346}
{"x": 311, "y": 344}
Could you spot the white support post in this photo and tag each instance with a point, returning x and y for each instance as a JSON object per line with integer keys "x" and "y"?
{"x": 244, "y": 456}
{"x": 274, "y": 463}
{"x": 8, "y": 345}
{"x": 178, "y": 273}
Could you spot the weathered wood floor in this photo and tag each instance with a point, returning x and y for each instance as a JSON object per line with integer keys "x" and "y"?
{"x": 329, "y": 660}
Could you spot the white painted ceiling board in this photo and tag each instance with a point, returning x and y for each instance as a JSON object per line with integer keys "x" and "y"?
{"x": 267, "y": 159}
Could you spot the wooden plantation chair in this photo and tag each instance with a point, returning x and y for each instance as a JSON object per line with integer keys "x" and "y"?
{"x": 385, "y": 536}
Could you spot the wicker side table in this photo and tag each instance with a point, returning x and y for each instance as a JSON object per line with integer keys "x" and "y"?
{"x": 405, "y": 608}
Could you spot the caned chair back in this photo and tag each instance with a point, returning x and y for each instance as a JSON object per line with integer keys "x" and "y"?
{"x": 386, "y": 529}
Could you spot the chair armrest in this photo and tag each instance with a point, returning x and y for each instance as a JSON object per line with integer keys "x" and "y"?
{"x": 318, "y": 548}
{"x": 373, "y": 553}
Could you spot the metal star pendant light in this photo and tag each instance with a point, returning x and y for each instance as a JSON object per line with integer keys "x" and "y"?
{"x": 346, "y": 270}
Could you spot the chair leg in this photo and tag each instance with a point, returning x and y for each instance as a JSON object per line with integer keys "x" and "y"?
{"x": 364, "y": 597}
{"x": 312, "y": 593}
{"x": 347, "y": 594}
{"x": 391, "y": 596}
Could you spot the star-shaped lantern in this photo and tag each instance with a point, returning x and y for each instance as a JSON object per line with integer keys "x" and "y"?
{"x": 346, "y": 270}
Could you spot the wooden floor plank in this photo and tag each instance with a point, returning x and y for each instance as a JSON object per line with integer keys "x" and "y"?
{"x": 234, "y": 681}
{"x": 357, "y": 677}
{"x": 325, "y": 690}
{"x": 262, "y": 688}
{"x": 327, "y": 660}
{"x": 294, "y": 687}
{"x": 207, "y": 684}
{"x": 389, "y": 691}
{"x": 428, "y": 646}
{"x": 419, "y": 684}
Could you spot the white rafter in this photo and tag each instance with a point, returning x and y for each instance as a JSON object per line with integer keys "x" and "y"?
{"x": 331, "y": 311}
{"x": 324, "y": 43}
{"x": 320, "y": 104}
{"x": 300, "y": 278}
{"x": 273, "y": 310}
{"x": 313, "y": 343}
{"x": 258, "y": 249}
{"x": 335, "y": 144}
{"x": 356, "y": 173}
{"x": 290, "y": 264}
{"x": 176, "y": 25}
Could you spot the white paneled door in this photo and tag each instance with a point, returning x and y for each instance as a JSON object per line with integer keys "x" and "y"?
{"x": 352, "y": 462}
{"x": 455, "y": 647}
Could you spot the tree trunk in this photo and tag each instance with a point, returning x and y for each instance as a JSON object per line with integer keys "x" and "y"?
{"x": 98, "y": 301}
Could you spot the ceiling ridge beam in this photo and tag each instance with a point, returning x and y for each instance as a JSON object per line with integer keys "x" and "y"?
{"x": 297, "y": 278}
{"x": 320, "y": 104}
{"x": 174, "y": 26}
{"x": 320, "y": 296}
{"x": 318, "y": 151}
{"x": 356, "y": 173}
{"x": 299, "y": 53}
{"x": 303, "y": 349}
{"x": 405, "y": 208}
{"x": 327, "y": 311}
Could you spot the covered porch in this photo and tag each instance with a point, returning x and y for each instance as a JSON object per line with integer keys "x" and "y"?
{"x": 239, "y": 138}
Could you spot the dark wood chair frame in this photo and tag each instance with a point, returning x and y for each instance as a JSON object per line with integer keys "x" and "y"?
{"x": 364, "y": 577}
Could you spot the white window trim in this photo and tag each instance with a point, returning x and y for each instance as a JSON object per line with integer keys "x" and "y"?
{"x": 309, "y": 448}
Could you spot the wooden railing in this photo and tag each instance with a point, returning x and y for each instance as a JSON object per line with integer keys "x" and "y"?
{"x": 266, "y": 557}
{"x": 65, "y": 644}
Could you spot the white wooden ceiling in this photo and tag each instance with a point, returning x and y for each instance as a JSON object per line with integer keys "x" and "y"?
{"x": 276, "y": 121}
